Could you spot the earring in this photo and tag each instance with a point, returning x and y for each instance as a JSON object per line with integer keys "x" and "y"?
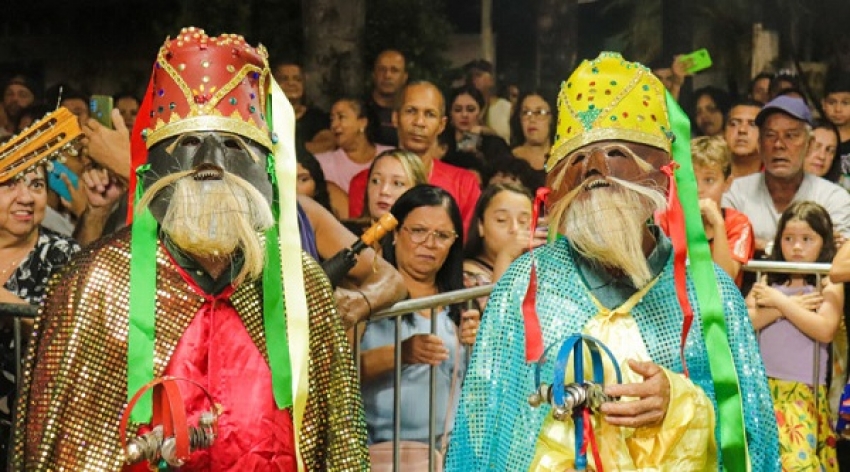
{"x": 361, "y": 130}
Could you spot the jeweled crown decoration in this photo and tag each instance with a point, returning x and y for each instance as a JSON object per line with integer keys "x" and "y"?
{"x": 610, "y": 98}
{"x": 209, "y": 83}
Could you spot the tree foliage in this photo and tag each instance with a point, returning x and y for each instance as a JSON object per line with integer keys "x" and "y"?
{"x": 417, "y": 28}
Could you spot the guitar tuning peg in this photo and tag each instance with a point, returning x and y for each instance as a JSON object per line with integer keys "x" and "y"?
{"x": 70, "y": 150}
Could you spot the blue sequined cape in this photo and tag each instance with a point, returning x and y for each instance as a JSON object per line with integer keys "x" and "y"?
{"x": 496, "y": 429}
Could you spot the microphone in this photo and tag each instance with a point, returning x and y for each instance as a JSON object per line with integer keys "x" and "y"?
{"x": 337, "y": 266}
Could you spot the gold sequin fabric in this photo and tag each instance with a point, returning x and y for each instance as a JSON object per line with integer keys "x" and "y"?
{"x": 74, "y": 388}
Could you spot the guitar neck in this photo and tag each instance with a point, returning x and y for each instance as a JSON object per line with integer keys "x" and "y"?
{"x": 48, "y": 138}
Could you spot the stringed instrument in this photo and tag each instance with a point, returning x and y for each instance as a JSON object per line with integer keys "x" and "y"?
{"x": 49, "y": 138}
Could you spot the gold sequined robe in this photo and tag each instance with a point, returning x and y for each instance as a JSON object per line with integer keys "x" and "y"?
{"x": 74, "y": 388}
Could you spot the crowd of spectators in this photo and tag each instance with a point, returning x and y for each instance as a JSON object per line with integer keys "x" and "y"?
{"x": 460, "y": 171}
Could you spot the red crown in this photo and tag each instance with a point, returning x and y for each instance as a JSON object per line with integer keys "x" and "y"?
{"x": 202, "y": 83}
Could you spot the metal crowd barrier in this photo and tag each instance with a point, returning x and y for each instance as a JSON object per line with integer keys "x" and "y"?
{"x": 431, "y": 302}
{"x": 396, "y": 312}
{"x": 19, "y": 312}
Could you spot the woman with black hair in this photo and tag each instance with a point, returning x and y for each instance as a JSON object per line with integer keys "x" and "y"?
{"x": 465, "y": 136}
{"x": 711, "y": 105}
{"x": 427, "y": 249}
{"x": 533, "y": 128}
{"x": 310, "y": 181}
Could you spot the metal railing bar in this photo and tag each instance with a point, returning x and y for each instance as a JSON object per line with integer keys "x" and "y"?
{"x": 424, "y": 303}
{"x": 818, "y": 268}
{"x": 18, "y": 310}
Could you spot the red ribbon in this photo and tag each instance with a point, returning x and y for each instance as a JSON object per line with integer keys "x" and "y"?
{"x": 533, "y": 333}
{"x": 590, "y": 438}
{"x": 675, "y": 222}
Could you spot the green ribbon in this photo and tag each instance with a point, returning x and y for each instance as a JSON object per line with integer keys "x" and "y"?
{"x": 274, "y": 309}
{"x": 733, "y": 439}
{"x": 142, "y": 329}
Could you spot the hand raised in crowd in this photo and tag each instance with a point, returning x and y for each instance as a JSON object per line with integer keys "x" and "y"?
{"x": 470, "y": 321}
{"x": 423, "y": 349}
{"x": 78, "y": 202}
{"x": 809, "y": 301}
{"x": 518, "y": 245}
{"x": 767, "y": 296}
{"x": 712, "y": 218}
{"x": 102, "y": 189}
{"x": 839, "y": 239}
{"x": 109, "y": 148}
{"x": 653, "y": 398}
{"x": 352, "y": 306}
{"x": 679, "y": 69}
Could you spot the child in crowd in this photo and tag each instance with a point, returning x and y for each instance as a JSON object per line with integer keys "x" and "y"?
{"x": 499, "y": 233}
{"x": 729, "y": 232}
{"x": 794, "y": 321}
{"x": 836, "y": 108}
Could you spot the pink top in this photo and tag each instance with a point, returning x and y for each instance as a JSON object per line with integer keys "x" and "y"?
{"x": 339, "y": 168}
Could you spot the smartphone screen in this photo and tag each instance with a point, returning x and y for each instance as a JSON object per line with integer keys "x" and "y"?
{"x": 100, "y": 107}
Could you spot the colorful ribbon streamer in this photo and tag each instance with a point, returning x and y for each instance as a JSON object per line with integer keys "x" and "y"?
{"x": 733, "y": 439}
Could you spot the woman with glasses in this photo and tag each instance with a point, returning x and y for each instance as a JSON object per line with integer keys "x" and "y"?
{"x": 29, "y": 256}
{"x": 532, "y": 129}
{"x": 426, "y": 248}
{"x": 467, "y": 142}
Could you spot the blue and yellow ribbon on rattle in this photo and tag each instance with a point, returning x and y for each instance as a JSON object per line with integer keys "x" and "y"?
{"x": 576, "y": 399}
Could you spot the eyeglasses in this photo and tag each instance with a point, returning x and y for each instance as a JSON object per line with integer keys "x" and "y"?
{"x": 527, "y": 114}
{"x": 420, "y": 235}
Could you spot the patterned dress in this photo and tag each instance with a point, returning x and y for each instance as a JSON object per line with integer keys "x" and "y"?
{"x": 52, "y": 251}
{"x": 806, "y": 436}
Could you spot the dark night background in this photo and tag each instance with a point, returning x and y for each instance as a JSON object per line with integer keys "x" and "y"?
{"x": 85, "y": 41}
{"x": 104, "y": 46}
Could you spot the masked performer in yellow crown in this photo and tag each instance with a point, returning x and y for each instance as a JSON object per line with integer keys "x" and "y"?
{"x": 610, "y": 296}
{"x": 209, "y": 285}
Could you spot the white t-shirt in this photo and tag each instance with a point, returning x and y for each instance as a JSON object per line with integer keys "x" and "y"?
{"x": 749, "y": 195}
{"x": 499, "y": 118}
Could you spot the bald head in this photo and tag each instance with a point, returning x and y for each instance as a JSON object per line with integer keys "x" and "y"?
{"x": 389, "y": 73}
{"x": 419, "y": 117}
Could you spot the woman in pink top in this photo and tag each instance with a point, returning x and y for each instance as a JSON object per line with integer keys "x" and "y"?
{"x": 354, "y": 151}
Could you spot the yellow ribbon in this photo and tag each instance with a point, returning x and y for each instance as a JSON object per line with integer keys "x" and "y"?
{"x": 297, "y": 321}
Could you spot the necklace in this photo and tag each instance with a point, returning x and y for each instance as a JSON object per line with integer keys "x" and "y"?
{"x": 12, "y": 265}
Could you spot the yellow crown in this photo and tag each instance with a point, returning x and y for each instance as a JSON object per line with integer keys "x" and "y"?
{"x": 610, "y": 98}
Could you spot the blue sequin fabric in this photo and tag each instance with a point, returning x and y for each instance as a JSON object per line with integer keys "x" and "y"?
{"x": 495, "y": 427}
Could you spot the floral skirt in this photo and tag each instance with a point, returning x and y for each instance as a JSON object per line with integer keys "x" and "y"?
{"x": 806, "y": 438}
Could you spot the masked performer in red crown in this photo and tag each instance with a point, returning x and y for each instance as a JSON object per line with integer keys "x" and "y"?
{"x": 208, "y": 290}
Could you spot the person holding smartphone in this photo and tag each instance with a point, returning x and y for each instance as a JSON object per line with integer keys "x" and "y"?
{"x": 465, "y": 134}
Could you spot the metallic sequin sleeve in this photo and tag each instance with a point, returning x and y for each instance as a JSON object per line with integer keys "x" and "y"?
{"x": 74, "y": 388}
{"x": 334, "y": 432}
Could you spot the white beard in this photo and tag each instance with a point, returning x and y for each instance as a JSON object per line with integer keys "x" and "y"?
{"x": 607, "y": 226}
{"x": 216, "y": 218}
